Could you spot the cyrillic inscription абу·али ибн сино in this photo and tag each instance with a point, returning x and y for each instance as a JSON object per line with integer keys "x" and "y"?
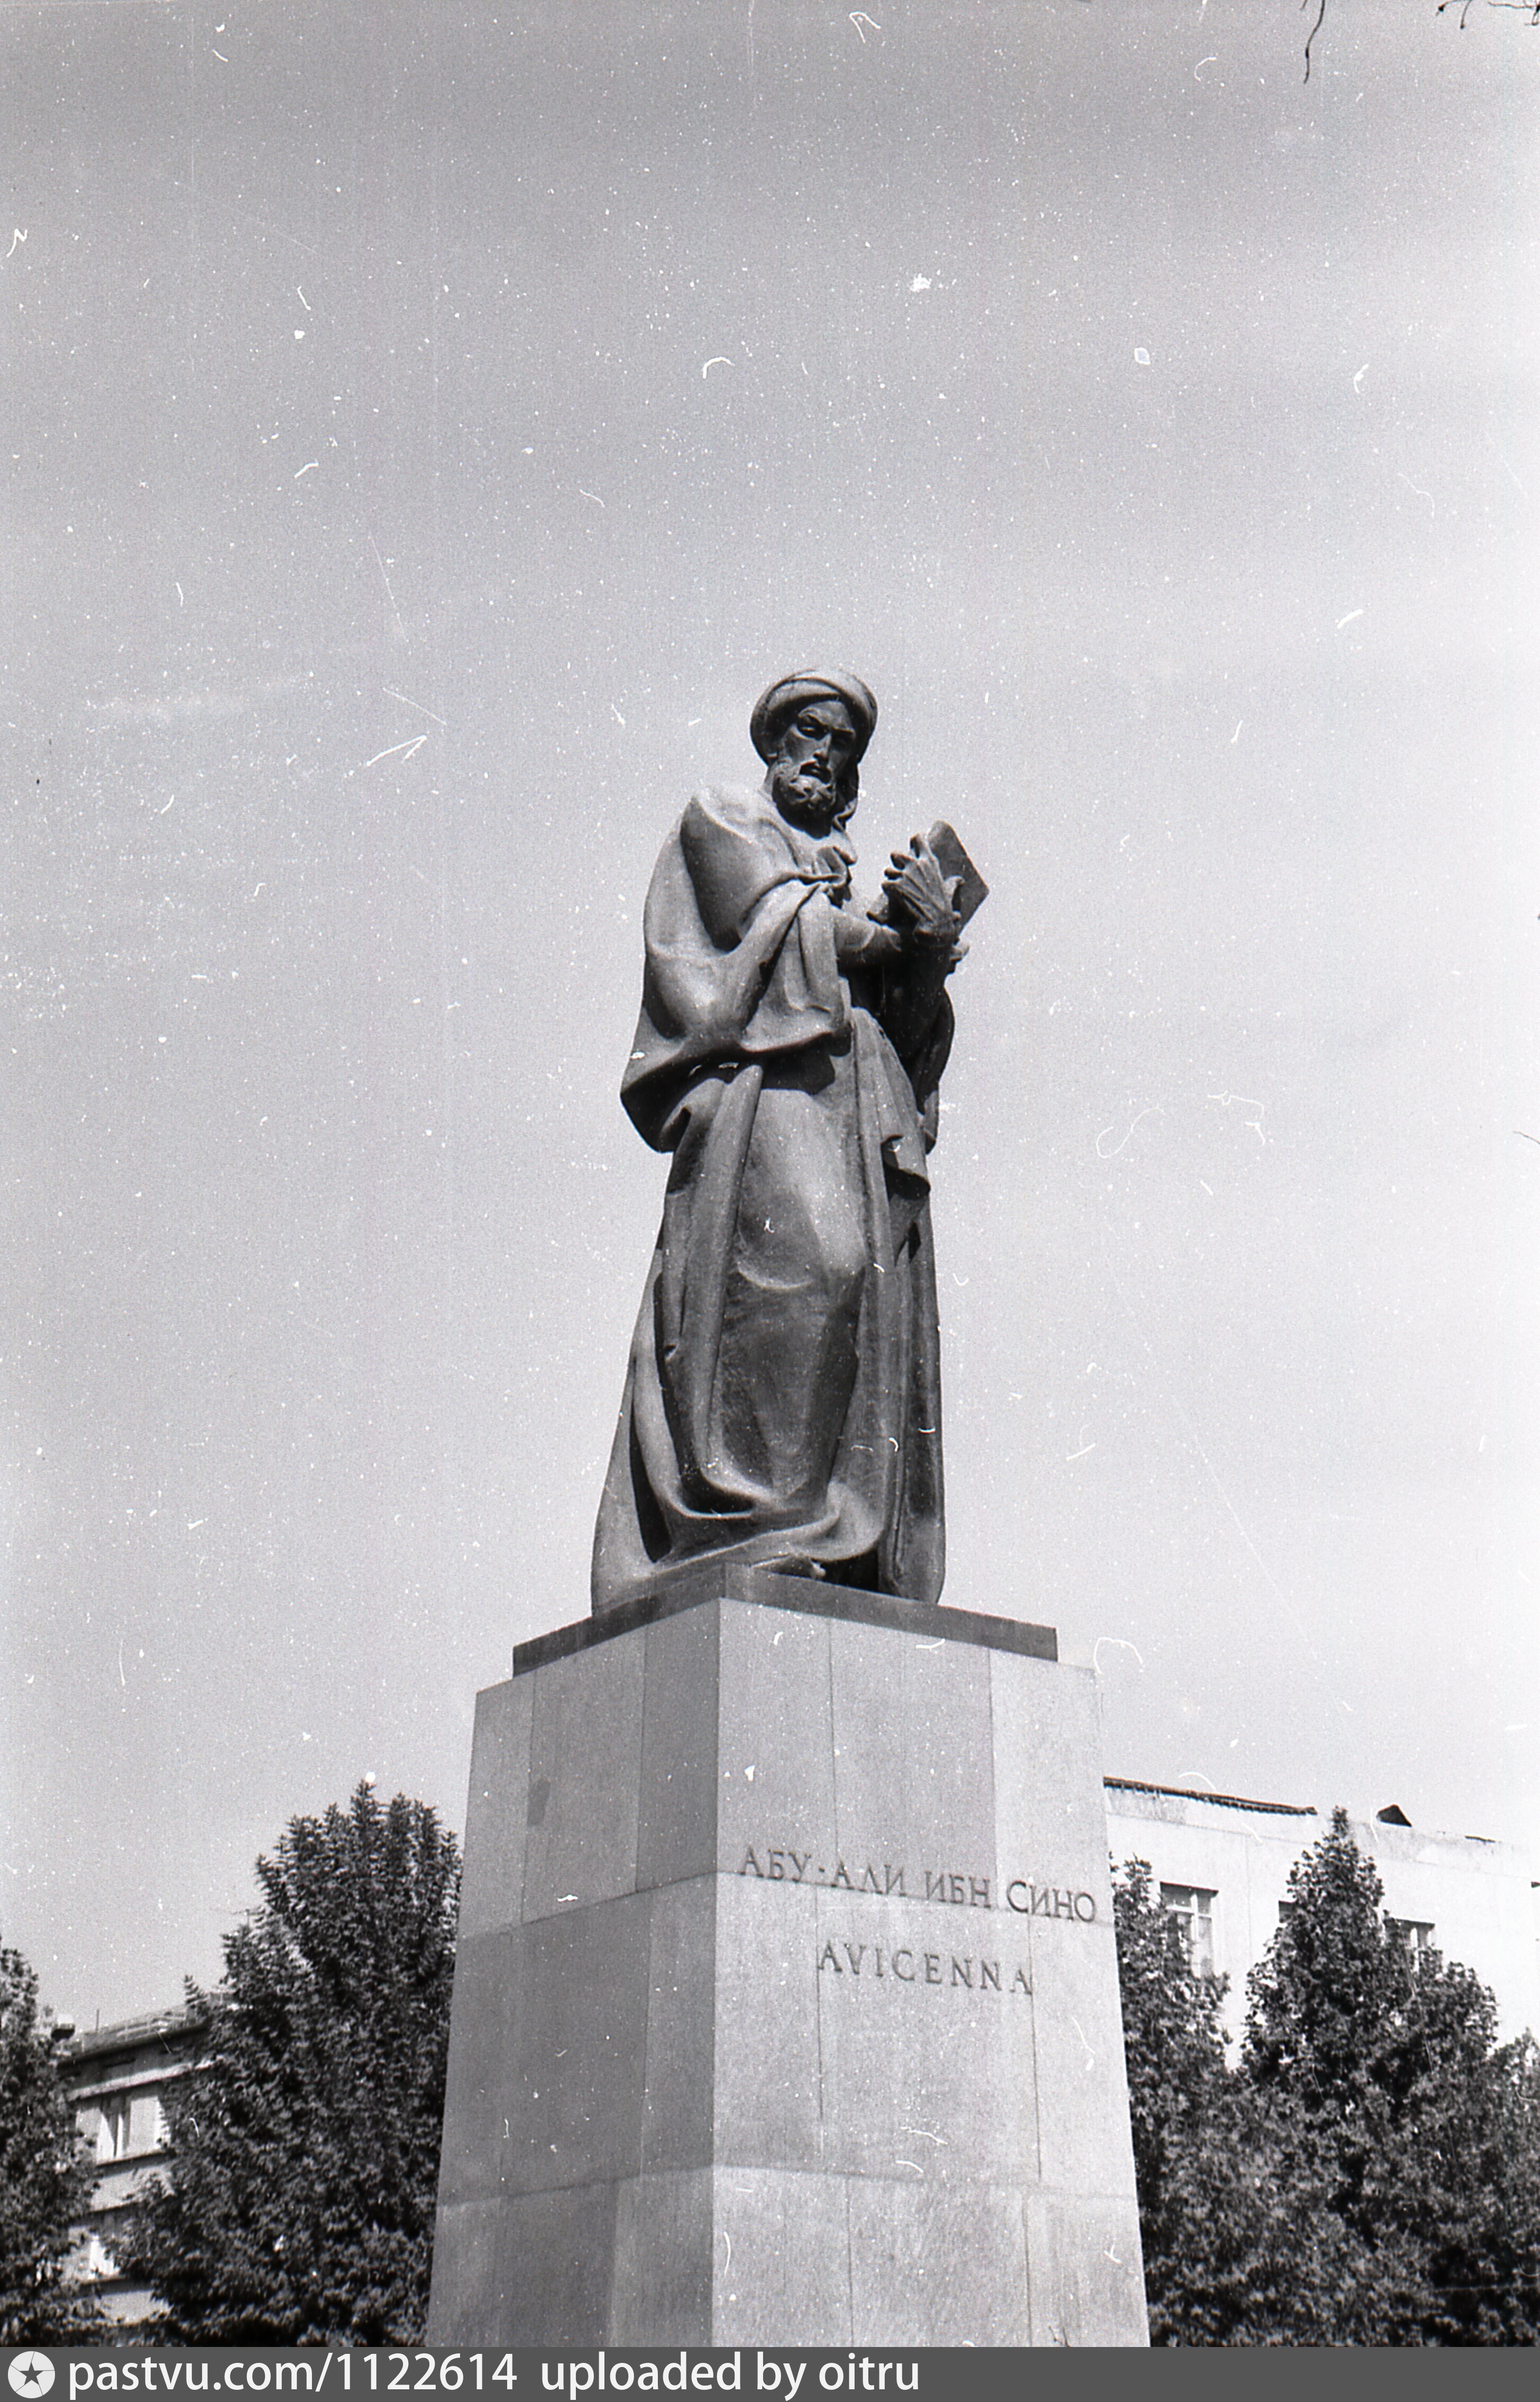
{"x": 957, "y": 1888}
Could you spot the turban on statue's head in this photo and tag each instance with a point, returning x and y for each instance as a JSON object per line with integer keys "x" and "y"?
{"x": 788, "y": 693}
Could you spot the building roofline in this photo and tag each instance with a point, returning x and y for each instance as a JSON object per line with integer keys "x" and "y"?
{"x": 1220, "y": 1801}
{"x": 153, "y": 2024}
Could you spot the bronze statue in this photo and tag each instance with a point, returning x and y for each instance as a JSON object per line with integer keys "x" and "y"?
{"x": 782, "y": 1405}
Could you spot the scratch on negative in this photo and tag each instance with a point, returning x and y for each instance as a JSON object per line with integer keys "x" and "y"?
{"x": 415, "y": 743}
{"x": 1227, "y": 1100}
{"x": 1154, "y": 1107}
{"x": 386, "y": 581}
{"x": 1320, "y": 21}
{"x": 392, "y": 693}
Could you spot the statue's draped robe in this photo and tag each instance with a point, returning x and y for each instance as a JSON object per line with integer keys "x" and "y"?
{"x": 782, "y": 1402}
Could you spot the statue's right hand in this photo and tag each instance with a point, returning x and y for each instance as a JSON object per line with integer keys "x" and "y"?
{"x": 919, "y": 897}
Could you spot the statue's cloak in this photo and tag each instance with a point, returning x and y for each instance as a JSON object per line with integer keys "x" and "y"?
{"x": 782, "y": 1404}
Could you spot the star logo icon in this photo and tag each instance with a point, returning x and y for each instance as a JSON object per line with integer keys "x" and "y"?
{"x": 31, "y": 2373}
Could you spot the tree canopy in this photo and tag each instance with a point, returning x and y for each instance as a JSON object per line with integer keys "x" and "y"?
{"x": 1368, "y": 2171}
{"x": 45, "y": 2175}
{"x": 299, "y": 2204}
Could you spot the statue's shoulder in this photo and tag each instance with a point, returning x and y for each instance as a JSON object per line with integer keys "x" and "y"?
{"x": 738, "y": 807}
{"x": 722, "y": 818}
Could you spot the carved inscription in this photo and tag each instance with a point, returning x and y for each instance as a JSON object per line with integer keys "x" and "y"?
{"x": 1049, "y": 1901}
{"x": 910, "y": 1968}
{"x": 957, "y": 1888}
{"x": 783, "y": 1864}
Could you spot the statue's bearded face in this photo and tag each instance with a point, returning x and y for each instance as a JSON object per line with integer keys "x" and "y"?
{"x": 814, "y": 755}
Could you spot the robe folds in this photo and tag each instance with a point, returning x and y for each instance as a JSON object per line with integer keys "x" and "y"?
{"x": 782, "y": 1400}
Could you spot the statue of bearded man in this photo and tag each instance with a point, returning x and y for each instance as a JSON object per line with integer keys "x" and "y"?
{"x": 782, "y": 1404}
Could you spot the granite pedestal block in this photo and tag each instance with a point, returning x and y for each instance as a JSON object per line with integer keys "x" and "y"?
{"x": 786, "y": 2004}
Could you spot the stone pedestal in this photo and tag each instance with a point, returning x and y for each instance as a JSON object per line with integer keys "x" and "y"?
{"x": 786, "y": 2007}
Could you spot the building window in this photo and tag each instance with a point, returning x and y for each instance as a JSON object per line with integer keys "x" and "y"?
{"x": 1414, "y": 1935}
{"x": 99, "y": 2260}
{"x": 112, "y": 2134}
{"x": 1191, "y": 1910}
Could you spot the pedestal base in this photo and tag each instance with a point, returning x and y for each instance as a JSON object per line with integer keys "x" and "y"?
{"x": 786, "y": 2004}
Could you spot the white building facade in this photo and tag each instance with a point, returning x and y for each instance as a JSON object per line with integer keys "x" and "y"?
{"x": 1222, "y": 1863}
{"x": 118, "y": 2078}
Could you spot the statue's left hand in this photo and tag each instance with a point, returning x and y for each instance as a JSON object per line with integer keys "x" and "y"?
{"x": 919, "y": 897}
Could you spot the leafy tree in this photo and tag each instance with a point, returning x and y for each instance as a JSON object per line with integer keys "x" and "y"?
{"x": 306, "y": 2147}
{"x": 1369, "y": 2173}
{"x": 45, "y": 2176}
{"x": 1389, "y": 2098}
{"x": 1179, "y": 2085}
{"x": 1501, "y": 2289}
{"x": 1219, "y": 2246}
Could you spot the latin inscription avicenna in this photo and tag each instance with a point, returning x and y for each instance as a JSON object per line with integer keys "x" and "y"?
{"x": 904, "y": 1966}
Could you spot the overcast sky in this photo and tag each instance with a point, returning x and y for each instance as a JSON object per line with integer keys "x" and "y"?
{"x": 428, "y": 427}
